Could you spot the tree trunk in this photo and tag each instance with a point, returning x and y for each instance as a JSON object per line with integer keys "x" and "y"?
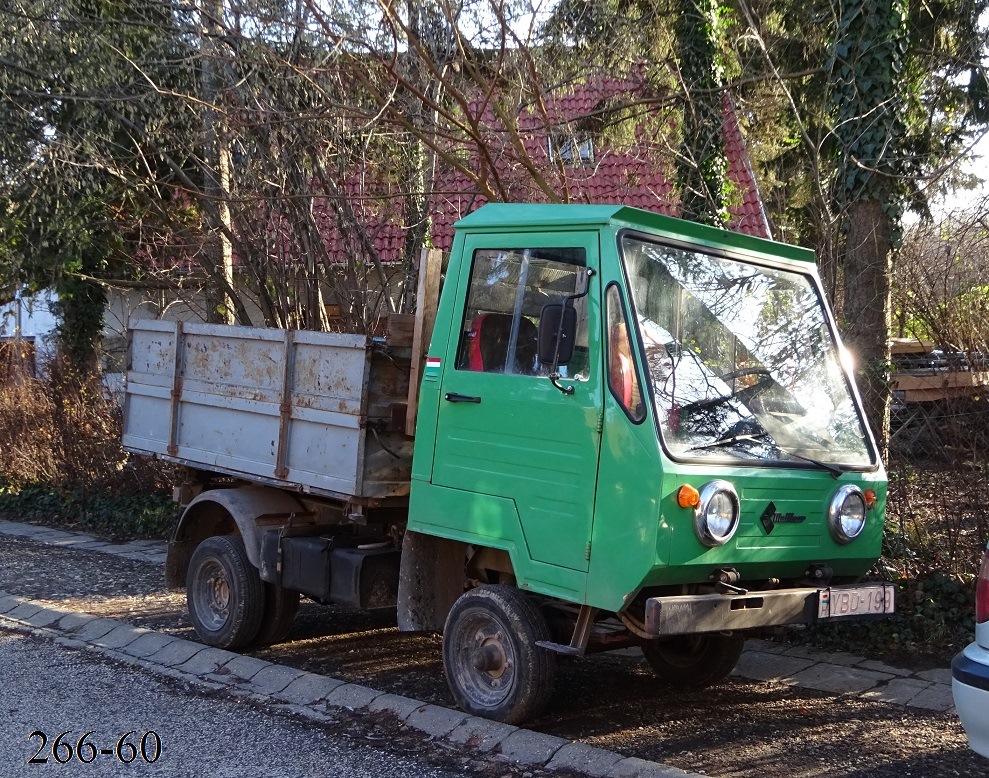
{"x": 80, "y": 309}
{"x": 216, "y": 185}
{"x": 866, "y": 310}
{"x": 702, "y": 167}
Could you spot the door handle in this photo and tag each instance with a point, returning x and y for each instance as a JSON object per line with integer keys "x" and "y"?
{"x": 460, "y": 398}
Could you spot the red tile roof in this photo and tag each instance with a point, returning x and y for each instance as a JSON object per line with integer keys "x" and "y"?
{"x": 637, "y": 176}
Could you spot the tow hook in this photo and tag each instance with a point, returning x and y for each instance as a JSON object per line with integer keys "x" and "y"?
{"x": 726, "y": 579}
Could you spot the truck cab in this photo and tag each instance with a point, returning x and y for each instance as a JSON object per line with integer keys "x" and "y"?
{"x": 650, "y": 419}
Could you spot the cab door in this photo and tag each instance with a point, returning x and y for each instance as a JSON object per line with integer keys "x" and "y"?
{"x": 503, "y": 427}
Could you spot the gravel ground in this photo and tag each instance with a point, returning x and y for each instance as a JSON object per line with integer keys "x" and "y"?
{"x": 216, "y": 737}
{"x": 742, "y": 728}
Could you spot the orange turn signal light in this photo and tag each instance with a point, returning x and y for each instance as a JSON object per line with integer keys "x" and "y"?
{"x": 870, "y": 498}
{"x": 688, "y": 496}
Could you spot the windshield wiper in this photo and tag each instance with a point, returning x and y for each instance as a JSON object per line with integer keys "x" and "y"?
{"x": 722, "y": 442}
{"x": 835, "y": 471}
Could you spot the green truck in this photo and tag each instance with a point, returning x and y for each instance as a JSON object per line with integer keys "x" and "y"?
{"x": 626, "y": 430}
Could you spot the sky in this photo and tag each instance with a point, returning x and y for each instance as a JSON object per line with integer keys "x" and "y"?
{"x": 976, "y": 163}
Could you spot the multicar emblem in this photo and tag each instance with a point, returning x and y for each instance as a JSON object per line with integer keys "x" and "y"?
{"x": 770, "y": 518}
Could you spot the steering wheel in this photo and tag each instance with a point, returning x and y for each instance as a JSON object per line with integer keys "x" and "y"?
{"x": 747, "y": 371}
{"x": 744, "y": 393}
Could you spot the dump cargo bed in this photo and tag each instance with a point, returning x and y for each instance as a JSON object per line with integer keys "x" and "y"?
{"x": 313, "y": 411}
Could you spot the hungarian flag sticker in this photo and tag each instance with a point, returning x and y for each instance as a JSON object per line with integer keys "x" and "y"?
{"x": 432, "y": 367}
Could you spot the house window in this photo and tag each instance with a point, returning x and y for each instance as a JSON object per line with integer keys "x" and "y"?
{"x": 571, "y": 148}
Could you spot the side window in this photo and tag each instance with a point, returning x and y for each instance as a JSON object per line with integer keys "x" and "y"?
{"x": 623, "y": 379}
{"x": 508, "y": 289}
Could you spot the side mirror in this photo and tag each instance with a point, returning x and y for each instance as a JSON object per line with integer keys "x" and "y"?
{"x": 557, "y": 333}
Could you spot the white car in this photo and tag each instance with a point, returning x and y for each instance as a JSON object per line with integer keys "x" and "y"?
{"x": 970, "y": 671}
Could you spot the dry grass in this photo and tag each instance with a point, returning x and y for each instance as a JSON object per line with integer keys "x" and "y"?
{"x": 64, "y": 432}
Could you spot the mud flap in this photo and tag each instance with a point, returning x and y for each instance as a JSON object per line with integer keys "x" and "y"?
{"x": 430, "y": 580}
{"x": 177, "y": 562}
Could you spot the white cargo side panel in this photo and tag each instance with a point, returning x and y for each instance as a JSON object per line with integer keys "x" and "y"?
{"x": 150, "y": 374}
{"x": 326, "y": 392}
{"x": 279, "y": 406}
{"x": 228, "y": 411}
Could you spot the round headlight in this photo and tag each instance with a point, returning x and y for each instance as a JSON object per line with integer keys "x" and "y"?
{"x": 716, "y": 515}
{"x": 846, "y": 514}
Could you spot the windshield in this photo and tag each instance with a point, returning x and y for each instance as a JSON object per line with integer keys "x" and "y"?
{"x": 741, "y": 360}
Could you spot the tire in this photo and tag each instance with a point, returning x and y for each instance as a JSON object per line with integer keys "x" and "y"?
{"x": 693, "y": 661}
{"x": 492, "y": 663}
{"x": 280, "y": 608}
{"x": 224, "y": 593}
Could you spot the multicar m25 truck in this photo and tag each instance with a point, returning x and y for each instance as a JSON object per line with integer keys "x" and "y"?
{"x": 628, "y": 430}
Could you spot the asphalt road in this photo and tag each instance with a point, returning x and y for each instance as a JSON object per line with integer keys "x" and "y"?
{"x": 49, "y": 689}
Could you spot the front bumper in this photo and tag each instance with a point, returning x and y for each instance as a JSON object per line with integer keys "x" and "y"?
{"x": 970, "y": 688}
{"x": 692, "y": 614}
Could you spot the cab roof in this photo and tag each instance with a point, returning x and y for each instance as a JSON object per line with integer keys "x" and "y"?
{"x": 526, "y": 216}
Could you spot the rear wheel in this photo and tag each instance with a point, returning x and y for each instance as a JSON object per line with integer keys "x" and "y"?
{"x": 492, "y": 663}
{"x": 280, "y": 608}
{"x": 693, "y": 661}
{"x": 224, "y": 593}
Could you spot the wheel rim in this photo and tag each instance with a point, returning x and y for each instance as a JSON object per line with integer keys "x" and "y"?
{"x": 486, "y": 660}
{"x": 212, "y": 595}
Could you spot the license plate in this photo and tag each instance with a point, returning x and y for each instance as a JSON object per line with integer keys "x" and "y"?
{"x": 846, "y": 601}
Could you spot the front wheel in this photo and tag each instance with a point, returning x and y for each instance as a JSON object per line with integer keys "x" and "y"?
{"x": 224, "y": 592}
{"x": 492, "y": 663}
{"x": 693, "y": 661}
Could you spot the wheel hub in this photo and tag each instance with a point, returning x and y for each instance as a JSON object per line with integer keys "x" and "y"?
{"x": 489, "y": 658}
{"x": 221, "y": 593}
{"x": 215, "y": 595}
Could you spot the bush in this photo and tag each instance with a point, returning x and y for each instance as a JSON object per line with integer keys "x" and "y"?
{"x": 119, "y": 517}
{"x": 935, "y": 536}
{"x": 936, "y": 520}
{"x": 61, "y": 459}
{"x": 935, "y": 618}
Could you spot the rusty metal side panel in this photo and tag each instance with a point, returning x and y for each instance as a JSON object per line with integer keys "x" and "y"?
{"x": 325, "y": 431}
{"x": 255, "y": 402}
{"x": 150, "y": 372}
{"x": 230, "y": 403}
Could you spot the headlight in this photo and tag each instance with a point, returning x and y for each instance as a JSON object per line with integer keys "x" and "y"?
{"x": 846, "y": 514}
{"x": 716, "y": 515}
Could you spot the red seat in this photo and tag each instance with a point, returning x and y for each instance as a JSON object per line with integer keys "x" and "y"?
{"x": 489, "y": 336}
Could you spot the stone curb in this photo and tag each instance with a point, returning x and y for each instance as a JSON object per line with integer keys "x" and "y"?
{"x": 313, "y": 696}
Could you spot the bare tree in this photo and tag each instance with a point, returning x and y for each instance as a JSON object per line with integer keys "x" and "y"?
{"x": 941, "y": 283}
